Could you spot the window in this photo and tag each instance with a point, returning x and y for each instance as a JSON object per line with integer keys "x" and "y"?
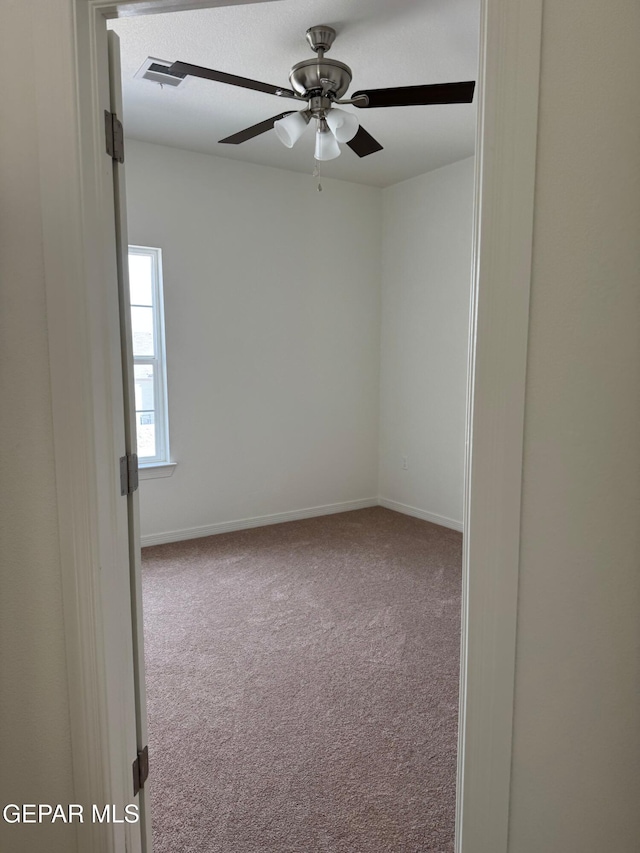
{"x": 149, "y": 366}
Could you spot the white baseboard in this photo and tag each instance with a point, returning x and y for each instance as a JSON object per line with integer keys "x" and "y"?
{"x": 259, "y": 521}
{"x": 421, "y": 513}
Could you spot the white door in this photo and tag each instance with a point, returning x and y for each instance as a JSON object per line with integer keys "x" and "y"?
{"x": 124, "y": 638}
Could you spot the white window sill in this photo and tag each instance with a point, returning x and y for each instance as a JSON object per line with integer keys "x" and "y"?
{"x": 156, "y": 469}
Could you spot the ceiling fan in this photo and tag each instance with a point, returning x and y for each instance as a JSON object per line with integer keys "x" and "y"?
{"x": 322, "y": 82}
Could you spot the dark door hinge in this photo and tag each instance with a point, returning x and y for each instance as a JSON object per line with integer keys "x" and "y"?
{"x": 128, "y": 474}
{"x": 140, "y": 770}
{"x": 114, "y": 136}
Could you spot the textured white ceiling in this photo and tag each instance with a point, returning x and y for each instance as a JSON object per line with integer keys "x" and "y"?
{"x": 385, "y": 42}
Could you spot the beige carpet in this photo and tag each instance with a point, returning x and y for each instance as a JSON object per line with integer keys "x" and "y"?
{"x": 303, "y": 687}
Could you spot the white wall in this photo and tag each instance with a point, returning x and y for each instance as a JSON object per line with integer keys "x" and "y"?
{"x": 35, "y": 752}
{"x": 426, "y": 275}
{"x": 272, "y": 326}
{"x": 576, "y": 759}
{"x": 273, "y": 364}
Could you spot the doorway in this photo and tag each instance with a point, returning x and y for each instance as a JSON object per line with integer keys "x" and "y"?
{"x": 273, "y": 369}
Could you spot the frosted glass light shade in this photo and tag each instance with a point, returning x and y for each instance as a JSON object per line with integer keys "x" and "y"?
{"x": 290, "y": 128}
{"x": 342, "y": 124}
{"x": 327, "y": 147}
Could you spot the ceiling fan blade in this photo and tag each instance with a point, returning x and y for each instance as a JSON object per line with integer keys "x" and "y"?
{"x": 254, "y": 130}
{"x": 363, "y": 143}
{"x": 411, "y": 96}
{"x": 231, "y": 79}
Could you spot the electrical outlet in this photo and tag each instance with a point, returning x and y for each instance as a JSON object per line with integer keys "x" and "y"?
{"x": 405, "y": 463}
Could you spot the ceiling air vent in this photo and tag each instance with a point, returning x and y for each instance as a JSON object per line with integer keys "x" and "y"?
{"x": 157, "y": 70}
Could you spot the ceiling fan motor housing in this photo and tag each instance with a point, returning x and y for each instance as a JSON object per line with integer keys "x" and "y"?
{"x": 320, "y": 76}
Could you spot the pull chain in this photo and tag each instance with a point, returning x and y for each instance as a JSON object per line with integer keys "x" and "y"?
{"x": 316, "y": 174}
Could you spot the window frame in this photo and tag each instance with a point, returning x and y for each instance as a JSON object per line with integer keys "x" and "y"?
{"x": 158, "y": 361}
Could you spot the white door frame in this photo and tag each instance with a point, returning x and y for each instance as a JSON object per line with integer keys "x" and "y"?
{"x": 78, "y": 265}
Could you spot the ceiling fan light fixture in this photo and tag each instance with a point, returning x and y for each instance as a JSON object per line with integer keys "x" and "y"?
{"x": 327, "y": 147}
{"x": 342, "y": 124}
{"x": 290, "y": 128}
